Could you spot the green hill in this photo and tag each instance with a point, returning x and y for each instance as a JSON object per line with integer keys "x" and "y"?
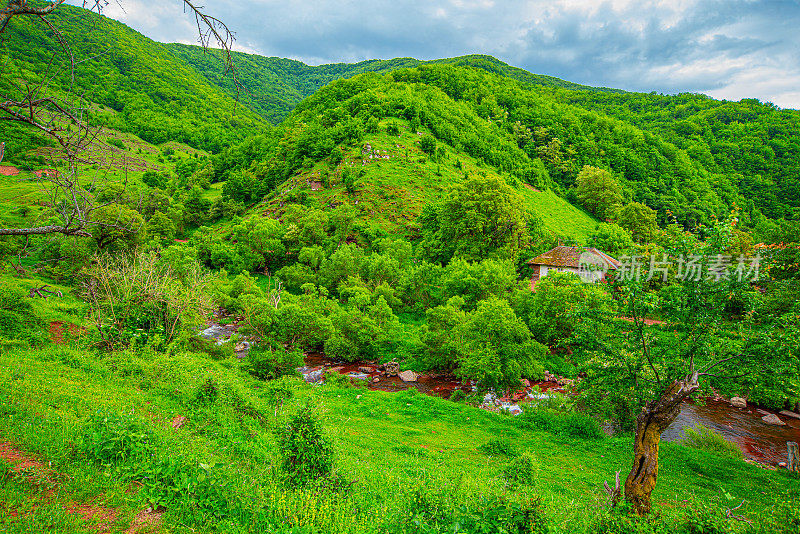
{"x": 138, "y": 85}
{"x": 274, "y": 86}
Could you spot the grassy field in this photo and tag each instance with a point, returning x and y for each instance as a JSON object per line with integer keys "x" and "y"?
{"x": 120, "y": 158}
{"x": 559, "y": 216}
{"x": 402, "y": 460}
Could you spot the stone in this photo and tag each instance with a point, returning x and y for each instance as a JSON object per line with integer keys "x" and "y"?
{"x": 376, "y": 380}
{"x": 787, "y": 413}
{"x": 738, "y": 402}
{"x": 392, "y": 368}
{"x": 408, "y": 376}
{"x": 214, "y": 331}
{"x": 513, "y": 409}
{"x": 367, "y": 370}
{"x": 783, "y": 464}
{"x": 772, "y": 419}
{"x": 357, "y": 375}
{"x": 178, "y": 422}
{"x": 242, "y": 347}
{"x": 525, "y": 382}
{"x": 315, "y": 376}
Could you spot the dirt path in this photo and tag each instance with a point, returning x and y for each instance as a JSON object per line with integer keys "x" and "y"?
{"x": 56, "y": 331}
{"x": 99, "y": 518}
{"x": 648, "y": 322}
{"x": 8, "y": 170}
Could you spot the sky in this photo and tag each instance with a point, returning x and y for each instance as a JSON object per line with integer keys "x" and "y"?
{"x": 729, "y": 49}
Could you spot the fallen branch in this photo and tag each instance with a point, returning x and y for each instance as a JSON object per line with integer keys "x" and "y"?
{"x": 730, "y": 515}
{"x": 40, "y": 290}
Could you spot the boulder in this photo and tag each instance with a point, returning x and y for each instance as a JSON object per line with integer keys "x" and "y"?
{"x": 738, "y": 402}
{"x": 358, "y": 376}
{"x": 782, "y": 464}
{"x": 214, "y": 331}
{"x": 787, "y": 413}
{"x": 365, "y": 369}
{"x": 376, "y": 380}
{"x": 392, "y": 368}
{"x": 772, "y": 419}
{"x": 315, "y": 376}
{"x": 408, "y": 376}
{"x": 525, "y": 382}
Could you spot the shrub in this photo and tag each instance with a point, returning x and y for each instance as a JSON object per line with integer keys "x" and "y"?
{"x": 499, "y": 447}
{"x": 111, "y": 438}
{"x": 277, "y": 391}
{"x": 427, "y": 144}
{"x": 458, "y": 395}
{"x": 266, "y": 363}
{"x": 306, "y": 453}
{"x": 497, "y": 514}
{"x": 572, "y": 425}
{"x": 520, "y": 470}
{"x": 211, "y": 348}
{"x": 702, "y": 437}
{"x": 392, "y": 128}
{"x": 208, "y": 392}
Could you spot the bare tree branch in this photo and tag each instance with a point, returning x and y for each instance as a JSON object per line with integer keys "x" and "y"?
{"x": 65, "y": 119}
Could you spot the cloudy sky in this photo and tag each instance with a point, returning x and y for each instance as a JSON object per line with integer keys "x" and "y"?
{"x": 725, "y": 48}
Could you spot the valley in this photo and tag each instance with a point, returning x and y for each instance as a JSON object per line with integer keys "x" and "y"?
{"x": 389, "y": 296}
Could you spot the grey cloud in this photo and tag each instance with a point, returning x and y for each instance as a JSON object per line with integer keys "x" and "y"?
{"x": 728, "y": 48}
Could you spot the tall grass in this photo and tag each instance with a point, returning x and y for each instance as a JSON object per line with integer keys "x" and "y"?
{"x": 704, "y": 438}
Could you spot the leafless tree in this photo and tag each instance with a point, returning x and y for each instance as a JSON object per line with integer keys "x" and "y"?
{"x": 65, "y": 120}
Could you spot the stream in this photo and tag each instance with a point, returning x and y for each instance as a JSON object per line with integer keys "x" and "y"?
{"x": 759, "y": 442}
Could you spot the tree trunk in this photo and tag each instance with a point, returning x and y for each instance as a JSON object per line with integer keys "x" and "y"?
{"x": 656, "y": 416}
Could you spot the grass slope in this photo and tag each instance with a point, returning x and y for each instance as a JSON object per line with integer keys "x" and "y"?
{"x": 559, "y": 217}
{"x": 398, "y": 455}
{"x": 396, "y": 179}
{"x": 24, "y": 197}
{"x": 143, "y": 87}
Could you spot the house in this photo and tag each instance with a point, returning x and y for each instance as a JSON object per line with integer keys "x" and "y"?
{"x": 588, "y": 263}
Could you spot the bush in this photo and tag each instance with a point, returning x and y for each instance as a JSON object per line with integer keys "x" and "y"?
{"x": 208, "y": 392}
{"x": 572, "y": 425}
{"x": 499, "y": 447}
{"x": 110, "y": 438}
{"x": 392, "y": 128}
{"x": 520, "y": 470}
{"x": 427, "y": 144}
{"x": 210, "y": 347}
{"x": 306, "y": 453}
{"x": 497, "y": 514}
{"x": 266, "y": 363}
{"x": 458, "y": 395}
{"x": 702, "y": 437}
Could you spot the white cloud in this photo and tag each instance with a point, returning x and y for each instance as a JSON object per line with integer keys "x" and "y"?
{"x": 726, "y": 48}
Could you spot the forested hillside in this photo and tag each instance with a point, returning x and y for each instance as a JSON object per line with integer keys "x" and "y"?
{"x": 138, "y": 85}
{"x": 274, "y": 86}
{"x": 686, "y": 156}
{"x": 338, "y": 323}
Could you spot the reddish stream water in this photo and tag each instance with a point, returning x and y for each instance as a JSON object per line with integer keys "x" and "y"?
{"x": 758, "y": 441}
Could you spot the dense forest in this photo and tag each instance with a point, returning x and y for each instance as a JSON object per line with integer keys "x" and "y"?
{"x": 273, "y": 86}
{"x": 306, "y": 304}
